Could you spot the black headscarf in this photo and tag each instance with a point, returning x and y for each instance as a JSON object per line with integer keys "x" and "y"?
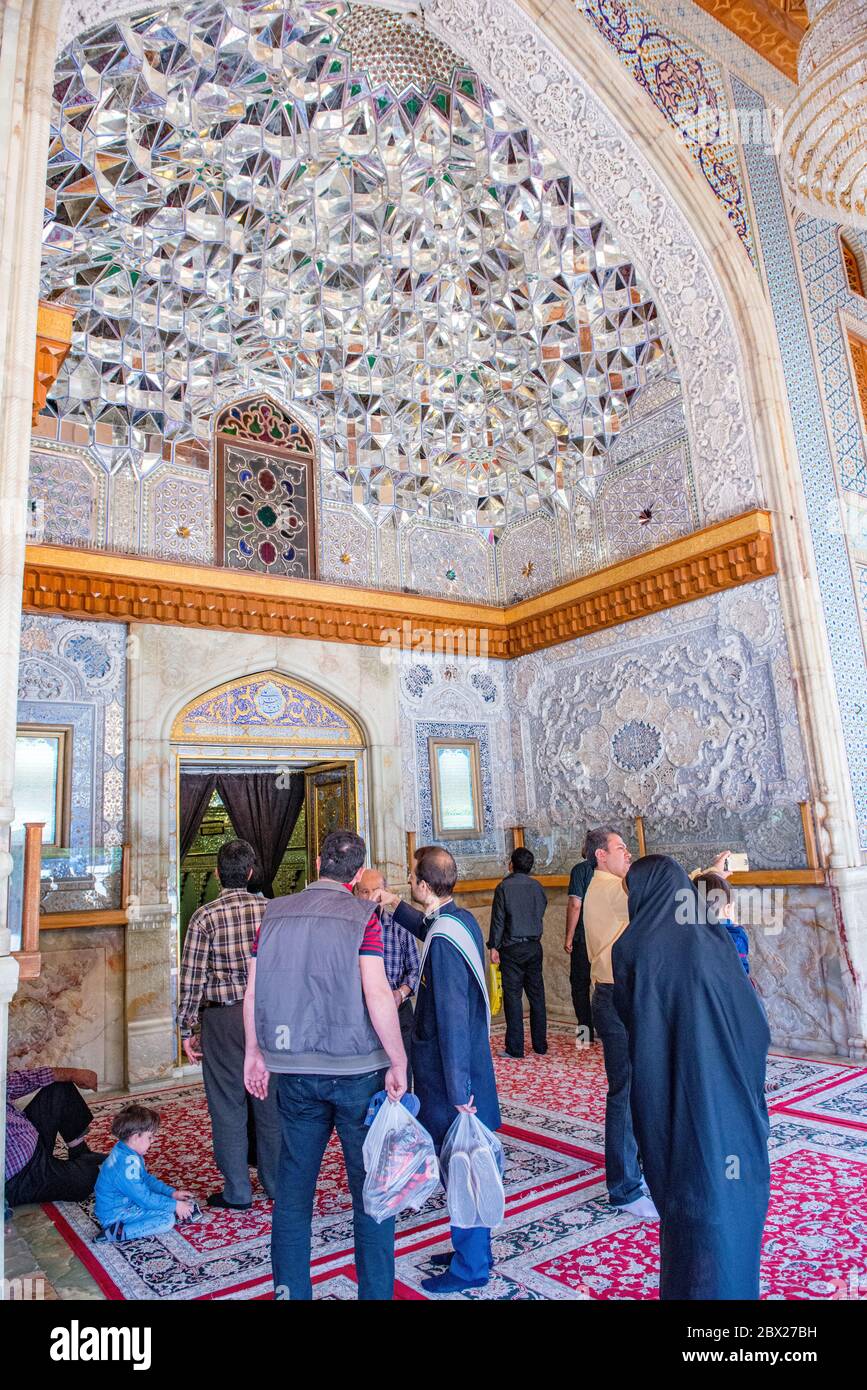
{"x": 698, "y": 1043}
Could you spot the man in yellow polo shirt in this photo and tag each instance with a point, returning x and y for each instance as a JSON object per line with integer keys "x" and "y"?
{"x": 606, "y": 917}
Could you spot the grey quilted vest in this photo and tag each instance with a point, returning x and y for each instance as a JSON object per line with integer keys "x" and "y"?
{"x": 311, "y": 1018}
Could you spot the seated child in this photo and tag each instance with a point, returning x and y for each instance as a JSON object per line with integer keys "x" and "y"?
{"x": 130, "y": 1202}
{"x": 719, "y": 909}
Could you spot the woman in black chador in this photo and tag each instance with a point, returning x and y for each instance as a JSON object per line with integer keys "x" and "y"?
{"x": 698, "y": 1042}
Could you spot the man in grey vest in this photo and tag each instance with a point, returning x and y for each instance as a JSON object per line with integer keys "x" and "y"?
{"x": 319, "y": 1014}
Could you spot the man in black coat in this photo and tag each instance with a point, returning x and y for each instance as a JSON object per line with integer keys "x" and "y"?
{"x": 515, "y": 944}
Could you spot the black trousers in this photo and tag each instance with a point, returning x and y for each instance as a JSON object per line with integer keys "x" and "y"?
{"x": 231, "y": 1108}
{"x": 57, "y": 1109}
{"x": 521, "y": 969}
{"x": 406, "y": 1019}
{"x": 579, "y": 979}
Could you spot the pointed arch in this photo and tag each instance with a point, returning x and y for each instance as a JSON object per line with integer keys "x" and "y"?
{"x": 263, "y": 708}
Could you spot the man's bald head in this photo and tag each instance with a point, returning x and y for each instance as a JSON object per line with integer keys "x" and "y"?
{"x": 436, "y": 867}
{"x": 369, "y": 883}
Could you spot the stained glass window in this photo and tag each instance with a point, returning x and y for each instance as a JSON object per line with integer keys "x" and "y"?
{"x": 264, "y": 503}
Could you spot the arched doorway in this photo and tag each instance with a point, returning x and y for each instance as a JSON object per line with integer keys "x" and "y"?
{"x": 270, "y": 759}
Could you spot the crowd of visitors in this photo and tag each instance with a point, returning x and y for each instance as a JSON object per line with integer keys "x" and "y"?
{"x": 300, "y": 1010}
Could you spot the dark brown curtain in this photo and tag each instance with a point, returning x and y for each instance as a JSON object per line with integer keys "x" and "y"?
{"x": 197, "y": 788}
{"x": 264, "y": 814}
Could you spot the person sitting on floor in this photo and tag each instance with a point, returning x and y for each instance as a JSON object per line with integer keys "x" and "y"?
{"x": 130, "y": 1201}
{"x": 33, "y": 1174}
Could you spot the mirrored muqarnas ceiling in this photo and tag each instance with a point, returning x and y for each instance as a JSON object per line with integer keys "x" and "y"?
{"x": 326, "y": 204}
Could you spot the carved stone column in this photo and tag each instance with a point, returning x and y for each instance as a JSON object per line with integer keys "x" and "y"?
{"x": 28, "y": 41}
{"x": 27, "y": 53}
{"x": 150, "y": 976}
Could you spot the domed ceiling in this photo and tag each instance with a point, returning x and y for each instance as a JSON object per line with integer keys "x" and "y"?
{"x": 323, "y": 203}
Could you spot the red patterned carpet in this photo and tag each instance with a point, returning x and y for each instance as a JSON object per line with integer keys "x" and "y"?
{"x": 560, "y": 1239}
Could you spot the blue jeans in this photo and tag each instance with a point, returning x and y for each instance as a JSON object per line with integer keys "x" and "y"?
{"x": 622, "y": 1169}
{"x": 472, "y": 1259}
{"x": 310, "y": 1108}
{"x": 146, "y": 1223}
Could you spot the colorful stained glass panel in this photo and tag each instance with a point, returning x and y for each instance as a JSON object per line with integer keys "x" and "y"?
{"x": 266, "y": 512}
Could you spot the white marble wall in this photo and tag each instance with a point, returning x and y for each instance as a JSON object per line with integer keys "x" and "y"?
{"x": 168, "y": 668}
{"x": 72, "y": 1015}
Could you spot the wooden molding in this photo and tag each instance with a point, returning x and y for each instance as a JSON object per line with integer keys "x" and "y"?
{"x": 718, "y": 557}
{"x": 53, "y": 341}
{"x": 97, "y": 584}
{"x": 759, "y": 878}
{"x": 108, "y": 917}
{"x": 29, "y": 964}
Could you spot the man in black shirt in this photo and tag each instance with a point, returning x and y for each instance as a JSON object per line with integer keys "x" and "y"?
{"x": 515, "y": 944}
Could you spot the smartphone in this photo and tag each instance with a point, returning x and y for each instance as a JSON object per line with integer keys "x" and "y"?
{"x": 737, "y": 864}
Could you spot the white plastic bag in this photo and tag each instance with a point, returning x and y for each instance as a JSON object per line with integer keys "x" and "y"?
{"x": 472, "y": 1163}
{"x": 400, "y": 1162}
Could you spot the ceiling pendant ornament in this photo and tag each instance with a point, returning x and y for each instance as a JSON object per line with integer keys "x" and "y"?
{"x": 823, "y": 148}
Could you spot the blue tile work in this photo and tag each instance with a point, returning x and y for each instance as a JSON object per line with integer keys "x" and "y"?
{"x": 817, "y": 465}
{"x": 74, "y": 673}
{"x": 487, "y": 843}
{"x": 80, "y": 719}
{"x": 828, "y": 293}
{"x": 688, "y": 87}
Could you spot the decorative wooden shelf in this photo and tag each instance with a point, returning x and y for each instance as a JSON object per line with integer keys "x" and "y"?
{"x": 97, "y": 584}
{"x": 760, "y": 878}
{"x": 51, "y": 921}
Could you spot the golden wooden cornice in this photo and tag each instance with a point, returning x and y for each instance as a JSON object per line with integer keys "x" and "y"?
{"x": 718, "y": 557}
{"x": 96, "y": 584}
{"x": 53, "y": 341}
{"x": 774, "y": 28}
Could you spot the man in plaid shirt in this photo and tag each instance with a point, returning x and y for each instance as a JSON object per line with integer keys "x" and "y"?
{"x": 214, "y": 968}
{"x": 401, "y": 957}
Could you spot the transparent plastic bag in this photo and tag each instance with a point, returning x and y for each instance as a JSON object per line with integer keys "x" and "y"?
{"x": 400, "y": 1162}
{"x": 472, "y": 1162}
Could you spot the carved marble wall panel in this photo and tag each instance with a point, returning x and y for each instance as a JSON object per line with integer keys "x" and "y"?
{"x": 72, "y": 490}
{"x": 72, "y": 1015}
{"x": 681, "y": 714}
{"x": 798, "y": 973}
{"x": 347, "y": 547}
{"x": 527, "y": 559}
{"x": 177, "y": 514}
{"x": 74, "y": 673}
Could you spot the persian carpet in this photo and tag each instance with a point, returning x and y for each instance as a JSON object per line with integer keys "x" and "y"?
{"x": 560, "y": 1238}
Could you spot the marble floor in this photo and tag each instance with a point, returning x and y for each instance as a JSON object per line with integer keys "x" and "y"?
{"x": 39, "y": 1264}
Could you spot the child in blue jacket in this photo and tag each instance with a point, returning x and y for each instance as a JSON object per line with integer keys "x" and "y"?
{"x": 130, "y": 1202}
{"x": 718, "y": 896}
